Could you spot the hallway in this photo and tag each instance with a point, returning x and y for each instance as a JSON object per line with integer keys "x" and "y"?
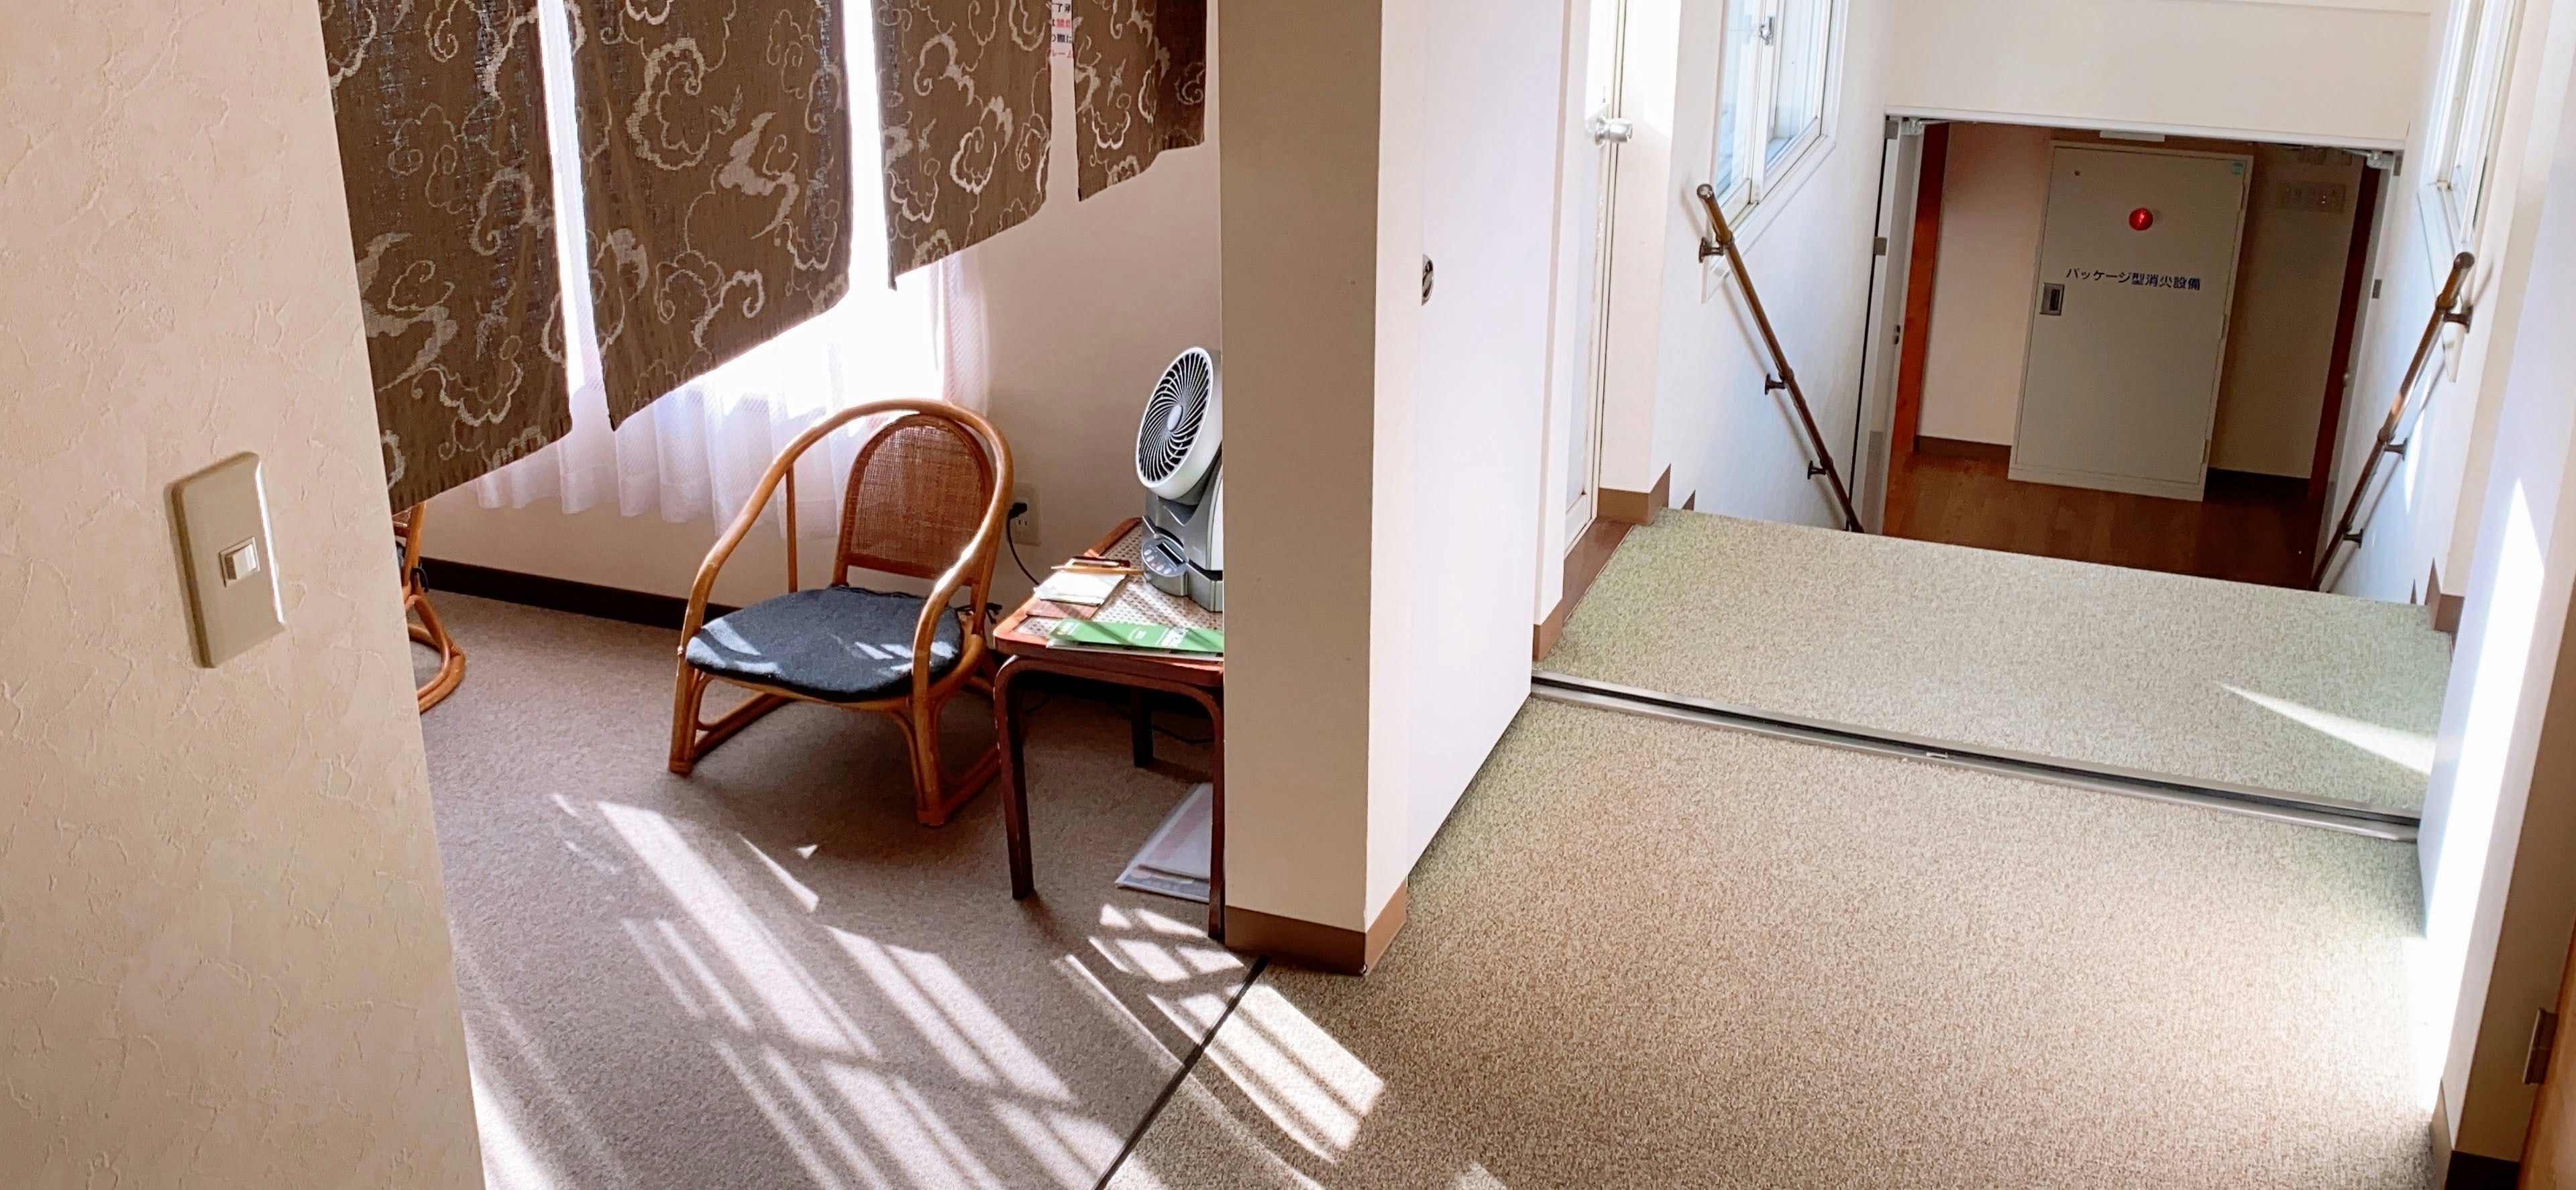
{"x": 1649, "y": 954}
{"x": 2248, "y": 529}
{"x": 2324, "y": 696}
{"x": 1770, "y": 963}
{"x": 1764, "y": 963}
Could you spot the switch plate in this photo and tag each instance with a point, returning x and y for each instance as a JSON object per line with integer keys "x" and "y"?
{"x": 230, "y": 565}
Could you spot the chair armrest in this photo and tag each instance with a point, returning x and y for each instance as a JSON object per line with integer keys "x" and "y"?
{"x": 743, "y": 521}
{"x": 974, "y": 565}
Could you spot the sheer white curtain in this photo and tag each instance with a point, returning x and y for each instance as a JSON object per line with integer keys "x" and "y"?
{"x": 697, "y": 453}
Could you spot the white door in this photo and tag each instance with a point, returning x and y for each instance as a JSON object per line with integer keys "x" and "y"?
{"x": 1492, "y": 78}
{"x": 1903, "y": 168}
{"x": 1592, "y": 191}
{"x": 2137, "y": 267}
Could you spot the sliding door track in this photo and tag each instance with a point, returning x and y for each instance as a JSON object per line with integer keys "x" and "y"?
{"x": 2329, "y": 813}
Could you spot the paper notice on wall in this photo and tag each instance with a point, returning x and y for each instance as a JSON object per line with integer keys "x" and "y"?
{"x": 2327, "y": 198}
{"x": 1061, "y": 41}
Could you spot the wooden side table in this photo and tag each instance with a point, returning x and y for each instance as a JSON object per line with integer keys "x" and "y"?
{"x": 1021, "y": 640}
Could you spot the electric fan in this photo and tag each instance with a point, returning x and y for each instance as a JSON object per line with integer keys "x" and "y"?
{"x": 1177, "y": 461}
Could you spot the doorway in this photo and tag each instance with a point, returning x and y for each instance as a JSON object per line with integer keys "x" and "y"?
{"x": 1592, "y": 188}
{"x": 2120, "y": 389}
{"x": 2004, "y": 431}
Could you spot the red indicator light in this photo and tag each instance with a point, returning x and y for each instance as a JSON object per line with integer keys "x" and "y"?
{"x": 2141, "y": 219}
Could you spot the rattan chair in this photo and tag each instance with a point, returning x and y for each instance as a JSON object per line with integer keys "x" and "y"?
{"x": 928, "y": 498}
{"x": 419, "y": 617}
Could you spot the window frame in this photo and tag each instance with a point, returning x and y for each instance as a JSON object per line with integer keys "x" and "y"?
{"x": 2460, "y": 149}
{"x": 1768, "y": 175}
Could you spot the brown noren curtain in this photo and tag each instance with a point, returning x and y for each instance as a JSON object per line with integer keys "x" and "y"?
{"x": 441, "y": 113}
{"x": 1140, "y": 84}
{"x": 965, "y": 89}
{"x": 716, "y": 179}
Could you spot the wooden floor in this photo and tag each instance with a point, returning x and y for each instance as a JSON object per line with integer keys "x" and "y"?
{"x": 2249, "y": 529}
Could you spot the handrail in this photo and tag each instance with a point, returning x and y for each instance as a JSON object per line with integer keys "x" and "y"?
{"x": 1721, "y": 240}
{"x": 2445, "y": 310}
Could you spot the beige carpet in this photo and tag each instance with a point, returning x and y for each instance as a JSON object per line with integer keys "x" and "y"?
{"x": 767, "y": 975}
{"x": 1650, "y": 954}
{"x": 2322, "y": 695}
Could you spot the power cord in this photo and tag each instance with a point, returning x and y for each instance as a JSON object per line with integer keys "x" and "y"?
{"x": 1018, "y": 507}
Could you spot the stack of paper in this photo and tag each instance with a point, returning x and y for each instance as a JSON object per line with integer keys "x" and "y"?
{"x": 1174, "y": 862}
{"x": 1082, "y": 588}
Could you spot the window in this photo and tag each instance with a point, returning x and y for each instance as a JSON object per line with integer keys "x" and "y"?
{"x": 2468, "y": 107}
{"x": 699, "y": 451}
{"x": 1773, "y": 67}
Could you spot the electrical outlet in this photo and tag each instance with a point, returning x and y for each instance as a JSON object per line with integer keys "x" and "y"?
{"x": 1024, "y": 527}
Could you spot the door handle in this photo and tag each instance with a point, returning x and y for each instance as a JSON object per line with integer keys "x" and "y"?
{"x": 2052, "y": 299}
{"x": 1611, "y": 130}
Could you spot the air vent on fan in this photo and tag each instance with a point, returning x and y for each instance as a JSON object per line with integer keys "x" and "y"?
{"x": 1178, "y": 439}
{"x": 1177, "y": 461}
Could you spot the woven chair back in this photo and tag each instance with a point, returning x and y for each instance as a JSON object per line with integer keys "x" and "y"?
{"x": 917, "y": 493}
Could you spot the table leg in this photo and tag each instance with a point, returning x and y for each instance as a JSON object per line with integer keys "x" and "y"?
{"x": 1015, "y": 778}
{"x": 1216, "y": 813}
{"x": 1140, "y": 725}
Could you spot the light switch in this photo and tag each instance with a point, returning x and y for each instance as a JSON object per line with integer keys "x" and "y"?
{"x": 239, "y": 562}
{"x": 224, "y": 547}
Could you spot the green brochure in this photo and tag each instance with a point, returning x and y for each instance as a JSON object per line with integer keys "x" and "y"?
{"x": 1150, "y": 638}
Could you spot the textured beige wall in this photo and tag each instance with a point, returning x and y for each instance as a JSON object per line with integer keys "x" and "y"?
{"x": 2289, "y": 295}
{"x": 2427, "y": 518}
{"x": 1692, "y": 361}
{"x": 222, "y": 954}
{"x": 2500, "y": 813}
{"x": 1300, "y": 193}
{"x": 1082, "y": 308}
{"x": 2334, "y": 71}
{"x": 1994, "y": 199}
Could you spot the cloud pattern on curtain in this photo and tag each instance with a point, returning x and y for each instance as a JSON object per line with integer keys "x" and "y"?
{"x": 441, "y": 119}
{"x": 1140, "y": 84}
{"x": 715, "y": 177}
{"x": 966, "y": 96}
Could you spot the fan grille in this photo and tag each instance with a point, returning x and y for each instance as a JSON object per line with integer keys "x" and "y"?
{"x": 1172, "y": 417}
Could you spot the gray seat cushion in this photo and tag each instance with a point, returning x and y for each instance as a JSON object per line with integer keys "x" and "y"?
{"x": 843, "y": 644}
